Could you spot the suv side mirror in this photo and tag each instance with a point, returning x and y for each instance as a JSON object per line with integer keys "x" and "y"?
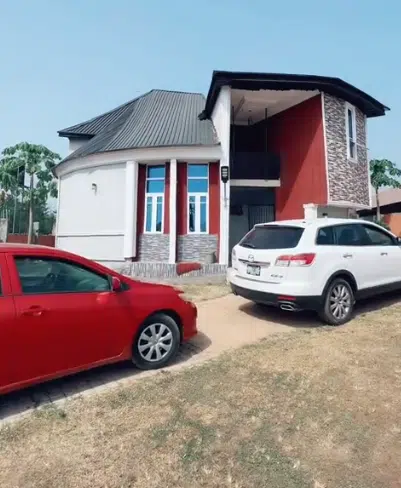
{"x": 116, "y": 284}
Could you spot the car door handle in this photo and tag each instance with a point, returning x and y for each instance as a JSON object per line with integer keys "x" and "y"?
{"x": 34, "y": 311}
{"x": 347, "y": 256}
{"x": 383, "y": 254}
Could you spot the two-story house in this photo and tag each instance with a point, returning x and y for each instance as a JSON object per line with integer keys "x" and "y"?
{"x": 173, "y": 177}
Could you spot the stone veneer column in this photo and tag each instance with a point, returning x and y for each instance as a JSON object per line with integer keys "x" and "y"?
{"x": 131, "y": 206}
{"x": 172, "y": 256}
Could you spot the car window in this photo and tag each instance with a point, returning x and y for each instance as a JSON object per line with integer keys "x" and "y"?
{"x": 349, "y": 235}
{"x": 342, "y": 235}
{"x": 377, "y": 237}
{"x": 46, "y": 275}
{"x": 272, "y": 237}
{"x": 325, "y": 236}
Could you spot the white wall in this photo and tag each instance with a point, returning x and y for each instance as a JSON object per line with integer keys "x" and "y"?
{"x": 221, "y": 118}
{"x": 74, "y": 144}
{"x": 91, "y": 219}
{"x": 333, "y": 212}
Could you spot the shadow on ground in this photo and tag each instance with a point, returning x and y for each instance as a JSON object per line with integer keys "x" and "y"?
{"x": 310, "y": 320}
{"x": 16, "y": 403}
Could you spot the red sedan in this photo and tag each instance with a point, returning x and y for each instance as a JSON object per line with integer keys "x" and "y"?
{"x": 61, "y": 313}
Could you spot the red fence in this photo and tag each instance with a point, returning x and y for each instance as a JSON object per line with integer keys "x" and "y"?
{"x": 23, "y": 239}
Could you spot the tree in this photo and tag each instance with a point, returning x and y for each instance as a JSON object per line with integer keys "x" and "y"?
{"x": 37, "y": 162}
{"x": 383, "y": 173}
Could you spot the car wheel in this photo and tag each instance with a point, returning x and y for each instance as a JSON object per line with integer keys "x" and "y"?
{"x": 338, "y": 303}
{"x": 157, "y": 342}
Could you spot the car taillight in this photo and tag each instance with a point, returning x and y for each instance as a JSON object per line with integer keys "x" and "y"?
{"x": 305, "y": 259}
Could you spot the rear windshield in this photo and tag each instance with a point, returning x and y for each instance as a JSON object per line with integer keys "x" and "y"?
{"x": 272, "y": 237}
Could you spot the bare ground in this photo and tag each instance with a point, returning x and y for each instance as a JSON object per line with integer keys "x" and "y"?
{"x": 320, "y": 408}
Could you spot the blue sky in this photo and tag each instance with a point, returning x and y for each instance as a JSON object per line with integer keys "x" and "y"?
{"x": 65, "y": 61}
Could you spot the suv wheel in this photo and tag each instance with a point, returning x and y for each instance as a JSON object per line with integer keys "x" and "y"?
{"x": 338, "y": 303}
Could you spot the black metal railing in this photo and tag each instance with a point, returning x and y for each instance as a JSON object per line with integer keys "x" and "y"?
{"x": 255, "y": 166}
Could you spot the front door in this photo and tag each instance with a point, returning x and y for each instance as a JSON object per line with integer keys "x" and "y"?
{"x": 260, "y": 214}
{"x": 67, "y": 316}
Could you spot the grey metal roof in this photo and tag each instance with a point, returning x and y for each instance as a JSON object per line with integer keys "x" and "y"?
{"x": 158, "y": 118}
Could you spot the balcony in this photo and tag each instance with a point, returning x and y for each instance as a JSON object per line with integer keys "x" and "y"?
{"x": 255, "y": 166}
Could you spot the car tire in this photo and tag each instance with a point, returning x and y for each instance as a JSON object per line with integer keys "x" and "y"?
{"x": 338, "y": 304}
{"x": 157, "y": 342}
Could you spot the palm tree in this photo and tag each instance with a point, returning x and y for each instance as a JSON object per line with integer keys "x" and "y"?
{"x": 37, "y": 162}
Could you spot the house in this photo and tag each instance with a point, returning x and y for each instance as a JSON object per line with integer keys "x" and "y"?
{"x": 390, "y": 209}
{"x": 148, "y": 181}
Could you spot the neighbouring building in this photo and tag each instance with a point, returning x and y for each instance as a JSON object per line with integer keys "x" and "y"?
{"x": 390, "y": 209}
{"x": 143, "y": 182}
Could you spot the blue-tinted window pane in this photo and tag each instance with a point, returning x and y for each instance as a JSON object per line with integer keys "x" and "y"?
{"x": 203, "y": 199}
{"x": 203, "y": 215}
{"x": 192, "y": 214}
{"x": 149, "y": 214}
{"x": 155, "y": 186}
{"x": 198, "y": 186}
{"x": 156, "y": 171}
{"x": 159, "y": 214}
{"x": 197, "y": 170}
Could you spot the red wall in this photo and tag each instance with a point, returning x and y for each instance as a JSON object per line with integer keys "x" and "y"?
{"x": 167, "y": 201}
{"x": 182, "y": 192}
{"x": 140, "y": 216}
{"x": 214, "y": 202}
{"x": 296, "y": 135}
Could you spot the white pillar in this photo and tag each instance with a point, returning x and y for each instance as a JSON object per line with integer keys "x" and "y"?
{"x": 173, "y": 212}
{"x": 131, "y": 206}
{"x": 310, "y": 211}
{"x": 221, "y": 118}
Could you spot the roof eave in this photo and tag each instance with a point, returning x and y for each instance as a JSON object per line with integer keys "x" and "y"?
{"x": 66, "y": 133}
{"x": 284, "y": 81}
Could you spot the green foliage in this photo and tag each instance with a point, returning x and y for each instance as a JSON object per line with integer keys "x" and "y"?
{"x": 17, "y": 213}
{"x": 384, "y": 173}
{"x": 38, "y": 162}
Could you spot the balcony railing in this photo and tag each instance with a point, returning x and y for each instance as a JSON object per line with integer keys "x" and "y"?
{"x": 255, "y": 166}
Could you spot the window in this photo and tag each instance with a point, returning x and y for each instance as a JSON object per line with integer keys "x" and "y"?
{"x": 350, "y": 121}
{"x": 378, "y": 237}
{"x": 272, "y": 237}
{"x": 325, "y": 236}
{"x": 46, "y": 275}
{"x": 342, "y": 235}
{"x": 198, "y": 198}
{"x": 154, "y": 198}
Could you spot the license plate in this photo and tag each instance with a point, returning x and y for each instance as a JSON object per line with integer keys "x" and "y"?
{"x": 253, "y": 270}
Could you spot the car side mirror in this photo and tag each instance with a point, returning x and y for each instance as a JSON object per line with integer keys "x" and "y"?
{"x": 116, "y": 284}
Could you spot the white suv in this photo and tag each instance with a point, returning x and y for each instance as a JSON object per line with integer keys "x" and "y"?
{"x": 323, "y": 264}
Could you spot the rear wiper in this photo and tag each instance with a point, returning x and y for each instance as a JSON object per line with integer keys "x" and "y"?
{"x": 248, "y": 245}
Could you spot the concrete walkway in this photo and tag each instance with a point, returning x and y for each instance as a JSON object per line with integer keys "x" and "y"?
{"x": 224, "y": 323}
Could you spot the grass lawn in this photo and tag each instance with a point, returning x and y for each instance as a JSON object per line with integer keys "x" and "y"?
{"x": 201, "y": 292}
{"x": 315, "y": 408}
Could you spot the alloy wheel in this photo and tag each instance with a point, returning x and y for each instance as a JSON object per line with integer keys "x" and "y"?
{"x": 155, "y": 342}
{"x": 340, "y": 301}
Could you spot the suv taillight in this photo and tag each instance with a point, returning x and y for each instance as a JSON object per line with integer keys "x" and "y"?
{"x": 305, "y": 259}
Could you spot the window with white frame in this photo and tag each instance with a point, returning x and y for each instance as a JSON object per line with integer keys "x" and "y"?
{"x": 350, "y": 120}
{"x": 198, "y": 198}
{"x": 154, "y": 198}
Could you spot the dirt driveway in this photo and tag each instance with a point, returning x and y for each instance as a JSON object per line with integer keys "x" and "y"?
{"x": 224, "y": 323}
